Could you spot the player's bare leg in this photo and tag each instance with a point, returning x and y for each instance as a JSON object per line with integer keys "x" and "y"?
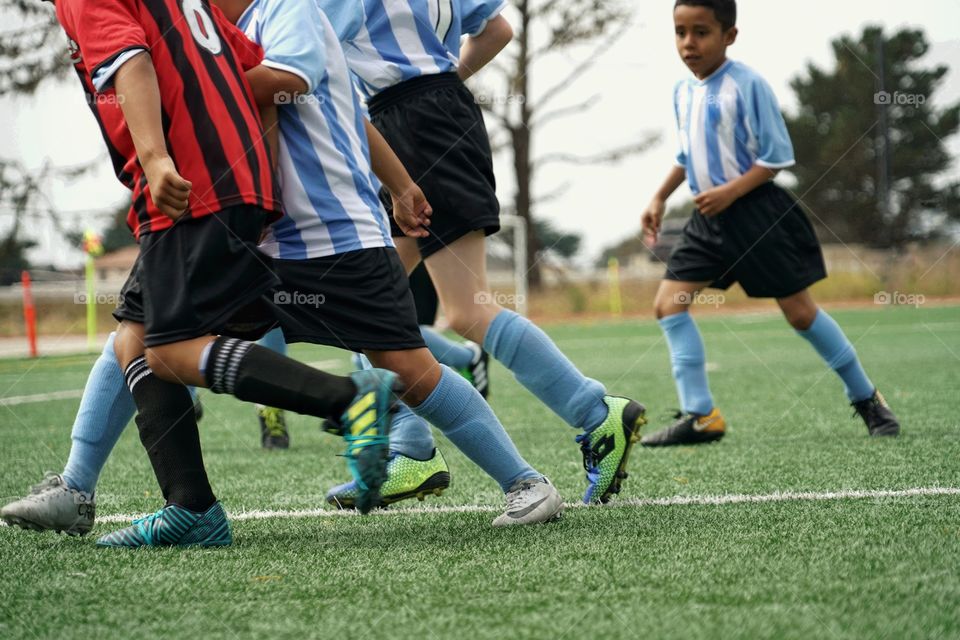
{"x": 698, "y": 420}
{"x": 610, "y": 425}
{"x": 825, "y": 335}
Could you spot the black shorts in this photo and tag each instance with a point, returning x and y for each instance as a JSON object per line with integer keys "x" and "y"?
{"x": 201, "y": 277}
{"x": 764, "y": 241}
{"x": 356, "y": 300}
{"x": 424, "y": 295}
{"x": 435, "y": 127}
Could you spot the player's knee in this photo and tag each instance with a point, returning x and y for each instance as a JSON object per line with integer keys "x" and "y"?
{"x": 162, "y": 362}
{"x": 801, "y": 320}
{"x": 664, "y": 306}
{"x": 462, "y": 321}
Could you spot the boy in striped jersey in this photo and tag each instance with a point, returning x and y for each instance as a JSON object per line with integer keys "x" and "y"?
{"x": 746, "y": 229}
{"x": 342, "y": 283}
{"x": 185, "y": 135}
{"x": 411, "y": 66}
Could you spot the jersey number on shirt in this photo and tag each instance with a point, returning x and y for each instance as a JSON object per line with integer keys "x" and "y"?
{"x": 201, "y": 26}
{"x": 444, "y": 18}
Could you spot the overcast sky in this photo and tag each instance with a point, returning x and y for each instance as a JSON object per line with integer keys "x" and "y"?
{"x": 777, "y": 37}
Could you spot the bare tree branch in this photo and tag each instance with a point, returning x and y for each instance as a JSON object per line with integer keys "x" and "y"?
{"x": 610, "y": 156}
{"x": 578, "y": 71}
{"x": 563, "y": 112}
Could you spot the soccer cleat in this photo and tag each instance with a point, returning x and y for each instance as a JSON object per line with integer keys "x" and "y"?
{"x": 606, "y": 449}
{"x": 174, "y": 526}
{"x": 406, "y": 478}
{"x": 52, "y": 506}
{"x": 877, "y": 415}
{"x": 477, "y": 373}
{"x": 531, "y": 501}
{"x": 273, "y": 428}
{"x": 365, "y": 425}
{"x": 689, "y": 429}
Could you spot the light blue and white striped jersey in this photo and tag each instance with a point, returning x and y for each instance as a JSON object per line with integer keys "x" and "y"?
{"x": 329, "y": 191}
{"x": 728, "y": 123}
{"x": 405, "y": 39}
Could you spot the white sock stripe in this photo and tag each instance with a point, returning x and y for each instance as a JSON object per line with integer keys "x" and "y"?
{"x": 220, "y": 365}
{"x": 233, "y": 366}
{"x": 131, "y": 384}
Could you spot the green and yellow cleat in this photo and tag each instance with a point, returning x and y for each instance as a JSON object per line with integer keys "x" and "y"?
{"x": 273, "y": 428}
{"x": 606, "y": 449}
{"x": 406, "y": 478}
{"x": 365, "y": 425}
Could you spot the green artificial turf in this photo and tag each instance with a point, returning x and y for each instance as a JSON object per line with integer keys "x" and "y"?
{"x": 878, "y": 568}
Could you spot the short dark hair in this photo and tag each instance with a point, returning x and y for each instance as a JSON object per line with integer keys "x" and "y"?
{"x": 725, "y": 10}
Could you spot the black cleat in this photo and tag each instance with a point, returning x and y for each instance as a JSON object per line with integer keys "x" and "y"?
{"x": 878, "y": 417}
{"x": 477, "y": 372}
{"x": 689, "y": 429}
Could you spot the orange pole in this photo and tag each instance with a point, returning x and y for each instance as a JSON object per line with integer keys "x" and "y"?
{"x": 29, "y": 313}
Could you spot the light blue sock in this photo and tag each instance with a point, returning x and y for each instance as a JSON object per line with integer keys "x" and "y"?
{"x": 828, "y": 339}
{"x": 538, "y": 365}
{"x": 453, "y": 354}
{"x": 689, "y": 360}
{"x": 410, "y": 434}
{"x": 461, "y": 413}
{"x": 274, "y": 341}
{"x": 105, "y": 411}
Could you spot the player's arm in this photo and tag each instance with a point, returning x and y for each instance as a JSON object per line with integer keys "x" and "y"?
{"x": 480, "y": 49}
{"x": 410, "y": 207}
{"x": 717, "y": 200}
{"x": 653, "y": 215}
{"x": 138, "y": 94}
{"x": 270, "y": 119}
{"x": 273, "y": 86}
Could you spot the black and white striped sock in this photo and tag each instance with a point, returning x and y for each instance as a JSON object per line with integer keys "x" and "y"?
{"x": 253, "y": 373}
{"x": 168, "y": 431}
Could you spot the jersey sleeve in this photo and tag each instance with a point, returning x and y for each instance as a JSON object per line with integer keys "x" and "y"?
{"x": 292, "y": 36}
{"x": 775, "y": 147}
{"x": 108, "y": 33}
{"x": 477, "y": 13}
{"x": 347, "y": 18}
{"x": 249, "y": 53}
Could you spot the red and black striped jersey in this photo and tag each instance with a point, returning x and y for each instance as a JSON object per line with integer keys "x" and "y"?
{"x": 210, "y": 120}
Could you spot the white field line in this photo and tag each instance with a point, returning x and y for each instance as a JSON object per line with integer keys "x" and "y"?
{"x": 72, "y": 394}
{"x": 636, "y": 502}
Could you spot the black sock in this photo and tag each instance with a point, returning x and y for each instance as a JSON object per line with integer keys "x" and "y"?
{"x": 168, "y": 431}
{"x": 255, "y": 374}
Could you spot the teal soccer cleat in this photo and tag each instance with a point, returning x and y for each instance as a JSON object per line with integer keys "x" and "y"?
{"x": 174, "y": 526}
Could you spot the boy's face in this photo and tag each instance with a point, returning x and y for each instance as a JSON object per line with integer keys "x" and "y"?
{"x": 701, "y": 40}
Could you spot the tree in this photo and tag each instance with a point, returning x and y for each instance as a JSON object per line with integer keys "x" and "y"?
{"x": 547, "y": 28}
{"x": 33, "y": 52}
{"x": 840, "y": 138}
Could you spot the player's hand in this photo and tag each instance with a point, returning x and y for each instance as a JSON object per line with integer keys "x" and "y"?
{"x": 411, "y": 211}
{"x": 652, "y": 219}
{"x": 715, "y": 201}
{"x": 169, "y": 190}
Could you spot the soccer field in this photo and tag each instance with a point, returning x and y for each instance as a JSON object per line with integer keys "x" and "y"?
{"x": 817, "y": 531}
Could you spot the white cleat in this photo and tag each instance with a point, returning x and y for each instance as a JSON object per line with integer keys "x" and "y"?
{"x": 531, "y": 501}
{"x": 52, "y": 505}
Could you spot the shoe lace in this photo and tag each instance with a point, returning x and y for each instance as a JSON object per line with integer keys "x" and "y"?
{"x": 50, "y": 479}
{"x": 145, "y": 526}
{"x": 517, "y": 496}
{"x": 586, "y": 449}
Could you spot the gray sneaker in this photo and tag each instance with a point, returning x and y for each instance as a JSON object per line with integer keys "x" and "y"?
{"x": 52, "y": 505}
{"x": 531, "y": 501}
